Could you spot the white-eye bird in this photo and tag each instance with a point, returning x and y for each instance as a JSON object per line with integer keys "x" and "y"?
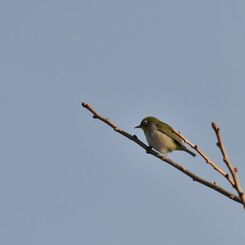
{"x": 161, "y": 136}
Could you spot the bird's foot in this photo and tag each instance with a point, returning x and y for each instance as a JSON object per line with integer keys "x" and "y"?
{"x": 149, "y": 149}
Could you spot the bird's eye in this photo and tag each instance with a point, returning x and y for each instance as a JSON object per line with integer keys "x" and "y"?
{"x": 145, "y": 122}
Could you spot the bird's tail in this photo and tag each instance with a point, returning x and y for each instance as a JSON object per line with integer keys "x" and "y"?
{"x": 190, "y": 152}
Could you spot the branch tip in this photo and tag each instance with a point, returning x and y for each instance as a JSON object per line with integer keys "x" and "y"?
{"x": 215, "y": 126}
{"x": 84, "y": 104}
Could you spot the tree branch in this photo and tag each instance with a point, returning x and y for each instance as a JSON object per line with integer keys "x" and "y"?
{"x": 149, "y": 150}
{"x": 227, "y": 161}
{"x": 204, "y": 156}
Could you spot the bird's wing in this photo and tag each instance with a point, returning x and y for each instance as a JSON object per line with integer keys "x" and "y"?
{"x": 170, "y": 133}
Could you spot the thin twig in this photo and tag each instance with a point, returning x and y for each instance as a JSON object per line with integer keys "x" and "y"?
{"x": 149, "y": 150}
{"x": 229, "y": 164}
{"x": 204, "y": 156}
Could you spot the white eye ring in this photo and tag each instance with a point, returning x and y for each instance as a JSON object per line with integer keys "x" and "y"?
{"x": 145, "y": 122}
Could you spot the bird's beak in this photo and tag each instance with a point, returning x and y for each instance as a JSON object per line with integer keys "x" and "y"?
{"x": 138, "y": 126}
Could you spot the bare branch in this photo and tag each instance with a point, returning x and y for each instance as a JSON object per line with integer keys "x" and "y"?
{"x": 149, "y": 150}
{"x": 228, "y": 163}
{"x": 204, "y": 156}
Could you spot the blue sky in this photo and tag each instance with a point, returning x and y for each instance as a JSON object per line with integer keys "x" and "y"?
{"x": 68, "y": 179}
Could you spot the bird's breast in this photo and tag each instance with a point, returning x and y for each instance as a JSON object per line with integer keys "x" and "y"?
{"x": 160, "y": 141}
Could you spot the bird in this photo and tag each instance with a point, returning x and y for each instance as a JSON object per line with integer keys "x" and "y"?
{"x": 161, "y": 136}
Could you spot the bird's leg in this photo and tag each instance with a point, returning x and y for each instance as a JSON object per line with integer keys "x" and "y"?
{"x": 149, "y": 149}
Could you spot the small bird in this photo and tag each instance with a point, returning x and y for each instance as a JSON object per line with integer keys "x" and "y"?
{"x": 161, "y": 136}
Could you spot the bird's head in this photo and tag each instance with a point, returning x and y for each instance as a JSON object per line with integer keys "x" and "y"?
{"x": 147, "y": 122}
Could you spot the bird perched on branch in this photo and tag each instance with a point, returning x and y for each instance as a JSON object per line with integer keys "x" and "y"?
{"x": 161, "y": 136}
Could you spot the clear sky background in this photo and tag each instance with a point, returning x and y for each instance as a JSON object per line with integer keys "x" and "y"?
{"x": 68, "y": 179}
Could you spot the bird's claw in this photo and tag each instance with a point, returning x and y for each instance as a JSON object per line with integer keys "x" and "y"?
{"x": 149, "y": 149}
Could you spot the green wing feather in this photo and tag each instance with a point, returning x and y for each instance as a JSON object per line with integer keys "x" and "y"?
{"x": 168, "y": 130}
